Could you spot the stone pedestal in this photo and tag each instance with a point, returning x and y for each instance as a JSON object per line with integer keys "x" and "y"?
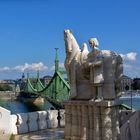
{"x": 90, "y": 120}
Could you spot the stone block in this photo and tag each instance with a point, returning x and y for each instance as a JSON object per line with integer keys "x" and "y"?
{"x": 42, "y": 119}
{"x": 22, "y": 123}
{"x": 96, "y": 133}
{"x": 74, "y": 129}
{"x": 5, "y": 120}
{"x": 33, "y": 121}
{"x": 67, "y": 137}
{"x": 108, "y": 91}
{"x": 124, "y": 115}
{"x": 13, "y": 124}
{"x": 90, "y": 120}
{"x": 116, "y": 132}
{"x": 135, "y": 126}
{"x": 62, "y": 119}
{"x": 106, "y": 121}
{"x": 125, "y": 132}
{"x": 52, "y": 121}
{"x": 75, "y": 138}
{"x": 108, "y": 110}
{"x": 107, "y": 133}
{"x": 68, "y": 121}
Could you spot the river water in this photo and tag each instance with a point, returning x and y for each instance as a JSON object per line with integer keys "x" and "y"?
{"x": 135, "y": 102}
{"x": 19, "y": 107}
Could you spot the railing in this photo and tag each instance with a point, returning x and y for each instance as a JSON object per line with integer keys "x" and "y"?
{"x": 131, "y": 128}
{"x": 32, "y": 121}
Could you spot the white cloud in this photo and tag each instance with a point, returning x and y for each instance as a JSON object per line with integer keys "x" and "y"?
{"x": 132, "y": 69}
{"x": 31, "y": 68}
{"x": 129, "y": 56}
{"x": 61, "y": 66}
{"x": 4, "y": 69}
{"x": 131, "y": 64}
{"x": 34, "y": 66}
{"x": 127, "y": 66}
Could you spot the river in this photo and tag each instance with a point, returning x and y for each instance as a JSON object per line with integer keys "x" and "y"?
{"x": 16, "y": 106}
{"x": 135, "y": 102}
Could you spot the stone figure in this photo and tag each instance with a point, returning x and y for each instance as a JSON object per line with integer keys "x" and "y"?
{"x": 78, "y": 77}
{"x": 95, "y": 62}
{"x": 84, "y": 53}
{"x": 94, "y": 74}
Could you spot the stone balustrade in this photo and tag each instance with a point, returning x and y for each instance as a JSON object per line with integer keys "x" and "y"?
{"x": 32, "y": 121}
{"x": 84, "y": 121}
{"x": 130, "y": 130}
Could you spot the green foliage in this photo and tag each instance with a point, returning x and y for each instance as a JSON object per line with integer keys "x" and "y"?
{"x": 126, "y": 87}
{"x": 12, "y": 137}
{"x": 5, "y": 87}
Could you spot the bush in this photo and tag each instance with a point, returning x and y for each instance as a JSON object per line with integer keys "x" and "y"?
{"x": 12, "y": 137}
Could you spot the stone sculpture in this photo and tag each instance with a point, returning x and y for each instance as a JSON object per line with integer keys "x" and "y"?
{"x": 92, "y": 75}
{"x": 92, "y": 112}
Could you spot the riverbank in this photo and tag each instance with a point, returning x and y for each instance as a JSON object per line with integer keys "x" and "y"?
{"x": 7, "y": 95}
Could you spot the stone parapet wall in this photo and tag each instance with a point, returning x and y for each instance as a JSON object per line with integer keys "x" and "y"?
{"x": 32, "y": 121}
{"x": 5, "y": 120}
{"x": 35, "y": 121}
{"x": 89, "y": 120}
{"x": 125, "y": 115}
{"x": 130, "y": 130}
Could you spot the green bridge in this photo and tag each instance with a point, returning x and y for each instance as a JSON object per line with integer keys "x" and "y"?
{"x": 57, "y": 91}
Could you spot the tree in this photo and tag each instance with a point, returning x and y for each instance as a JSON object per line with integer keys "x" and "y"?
{"x": 126, "y": 87}
{"x": 5, "y": 87}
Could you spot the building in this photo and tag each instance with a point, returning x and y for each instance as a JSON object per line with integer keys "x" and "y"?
{"x": 126, "y": 83}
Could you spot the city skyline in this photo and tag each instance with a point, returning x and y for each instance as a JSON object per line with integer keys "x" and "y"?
{"x": 31, "y": 30}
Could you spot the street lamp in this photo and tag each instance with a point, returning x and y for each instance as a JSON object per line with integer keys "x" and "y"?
{"x": 131, "y": 101}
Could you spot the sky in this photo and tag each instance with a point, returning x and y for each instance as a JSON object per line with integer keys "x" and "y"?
{"x": 31, "y": 29}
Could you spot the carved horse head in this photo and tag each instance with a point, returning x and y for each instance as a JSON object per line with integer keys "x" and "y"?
{"x": 72, "y": 47}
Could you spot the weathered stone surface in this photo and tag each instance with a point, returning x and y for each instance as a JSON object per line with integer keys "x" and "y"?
{"x": 5, "y": 120}
{"x": 33, "y": 121}
{"x": 92, "y": 75}
{"x": 62, "y": 119}
{"x": 125, "y": 132}
{"x": 42, "y": 116}
{"x": 68, "y": 121}
{"x": 87, "y": 122}
{"x": 13, "y": 124}
{"x": 22, "y": 123}
{"x": 135, "y": 126}
{"x": 28, "y": 122}
{"x": 52, "y": 121}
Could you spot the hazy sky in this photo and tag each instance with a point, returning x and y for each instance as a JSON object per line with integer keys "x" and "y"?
{"x": 31, "y": 29}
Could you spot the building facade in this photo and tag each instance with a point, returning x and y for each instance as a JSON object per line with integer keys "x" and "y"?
{"x": 126, "y": 83}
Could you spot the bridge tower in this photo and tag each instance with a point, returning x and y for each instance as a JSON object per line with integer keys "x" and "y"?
{"x": 56, "y": 60}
